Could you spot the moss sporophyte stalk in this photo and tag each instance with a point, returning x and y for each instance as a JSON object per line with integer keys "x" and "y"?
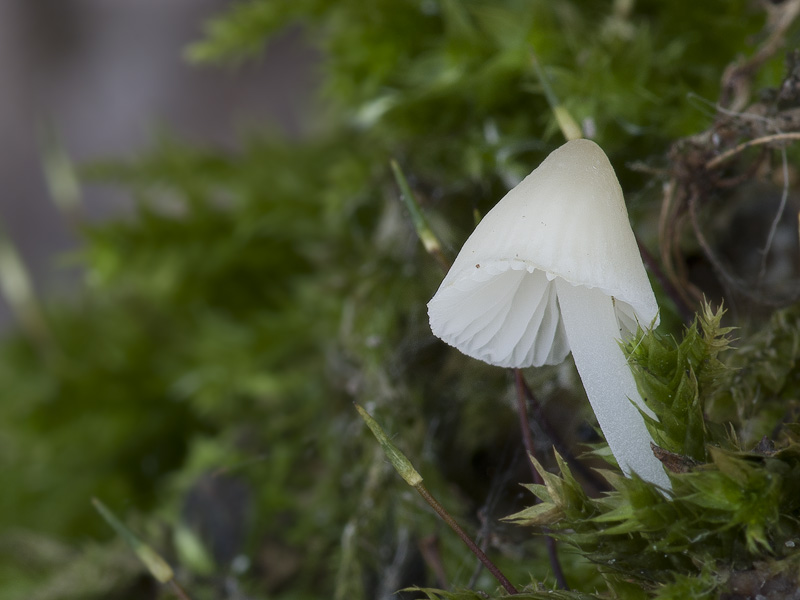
{"x": 407, "y": 471}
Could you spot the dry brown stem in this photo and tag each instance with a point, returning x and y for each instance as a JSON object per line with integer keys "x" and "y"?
{"x": 738, "y": 78}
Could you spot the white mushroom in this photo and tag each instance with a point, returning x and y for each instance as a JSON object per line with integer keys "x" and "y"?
{"x": 553, "y": 268}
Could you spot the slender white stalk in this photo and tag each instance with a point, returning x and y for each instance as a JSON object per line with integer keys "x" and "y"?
{"x": 592, "y": 331}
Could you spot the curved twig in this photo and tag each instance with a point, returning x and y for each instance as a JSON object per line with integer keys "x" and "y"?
{"x": 767, "y": 139}
{"x": 728, "y": 278}
{"x": 522, "y": 388}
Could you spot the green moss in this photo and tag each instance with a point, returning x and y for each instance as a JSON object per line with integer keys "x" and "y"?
{"x": 729, "y": 508}
{"x": 227, "y": 325}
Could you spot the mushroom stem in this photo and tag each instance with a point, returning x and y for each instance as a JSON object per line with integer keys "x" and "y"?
{"x": 592, "y": 331}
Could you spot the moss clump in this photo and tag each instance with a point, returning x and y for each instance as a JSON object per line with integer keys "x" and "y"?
{"x": 732, "y": 515}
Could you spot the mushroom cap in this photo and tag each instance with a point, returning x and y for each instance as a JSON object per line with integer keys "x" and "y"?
{"x": 567, "y": 220}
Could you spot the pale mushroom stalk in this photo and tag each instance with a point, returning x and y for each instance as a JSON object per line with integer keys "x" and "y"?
{"x": 592, "y": 331}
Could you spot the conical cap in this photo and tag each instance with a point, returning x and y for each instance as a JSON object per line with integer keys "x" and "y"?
{"x": 566, "y": 219}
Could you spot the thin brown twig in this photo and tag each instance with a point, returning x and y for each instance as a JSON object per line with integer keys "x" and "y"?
{"x": 482, "y": 536}
{"x": 669, "y": 223}
{"x": 666, "y": 219}
{"x": 527, "y": 437}
{"x": 652, "y": 264}
{"x": 407, "y": 471}
{"x": 736, "y": 80}
{"x": 440, "y": 510}
{"x": 728, "y": 278}
{"x": 431, "y": 554}
{"x": 767, "y": 139}
{"x": 522, "y": 410}
{"x": 777, "y": 219}
{"x": 557, "y": 442}
{"x": 179, "y": 591}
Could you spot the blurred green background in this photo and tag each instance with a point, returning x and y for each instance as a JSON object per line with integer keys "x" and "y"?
{"x": 237, "y": 269}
